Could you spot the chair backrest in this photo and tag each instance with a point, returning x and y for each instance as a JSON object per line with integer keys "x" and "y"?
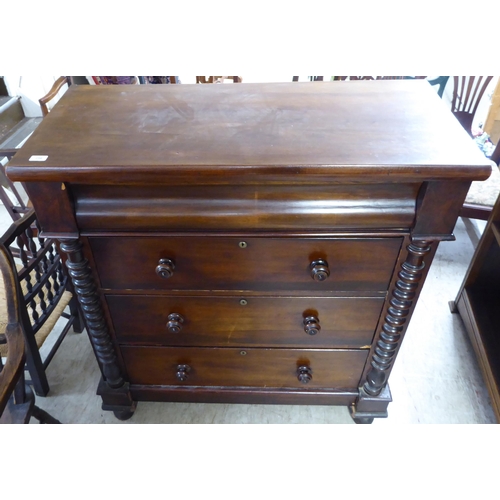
{"x": 12, "y": 372}
{"x": 48, "y": 101}
{"x": 467, "y": 94}
{"x": 45, "y": 292}
{"x": 17, "y": 401}
{"x": 40, "y": 272}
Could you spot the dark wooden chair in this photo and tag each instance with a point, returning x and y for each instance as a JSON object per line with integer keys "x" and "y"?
{"x": 47, "y": 102}
{"x": 45, "y": 294}
{"x": 17, "y": 401}
{"x": 467, "y": 94}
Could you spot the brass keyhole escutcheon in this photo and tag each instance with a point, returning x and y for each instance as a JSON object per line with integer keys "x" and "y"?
{"x": 243, "y": 302}
{"x": 242, "y": 244}
{"x": 243, "y": 353}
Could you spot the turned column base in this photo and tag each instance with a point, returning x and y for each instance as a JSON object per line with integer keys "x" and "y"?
{"x": 119, "y": 401}
{"x": 367, "y": 407}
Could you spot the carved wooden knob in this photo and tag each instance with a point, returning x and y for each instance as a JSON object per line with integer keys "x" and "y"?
{"x": 182, "y": 372}
{"x": 175, "y": 322}
{"x": 165, "y": 268}
{"x": 319, "y": 270}
{"x": 304, "y": 374}
{"x": 311, "y": 325}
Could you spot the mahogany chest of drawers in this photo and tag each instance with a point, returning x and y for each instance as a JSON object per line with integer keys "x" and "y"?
{"x": 257, "y": 243}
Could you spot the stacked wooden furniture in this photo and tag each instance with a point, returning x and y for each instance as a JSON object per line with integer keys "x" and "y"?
{"x": 254, "y": 243}
{"x": 479, "y": 305}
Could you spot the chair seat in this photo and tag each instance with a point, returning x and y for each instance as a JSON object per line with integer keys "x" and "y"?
{"x": 485, "y": 193}
{"x": 49, "y": 324}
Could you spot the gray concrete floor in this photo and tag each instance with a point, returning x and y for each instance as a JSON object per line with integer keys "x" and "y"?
{"x": 436, "y": 378}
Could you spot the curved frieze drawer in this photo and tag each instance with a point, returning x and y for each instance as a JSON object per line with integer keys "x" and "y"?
{"x": 241, "y": 207}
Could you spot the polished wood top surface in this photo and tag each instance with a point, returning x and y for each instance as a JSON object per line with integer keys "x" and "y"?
{"x": 145, "y": 132}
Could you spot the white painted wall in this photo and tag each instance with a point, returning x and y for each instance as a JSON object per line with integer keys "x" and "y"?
{"x": 30, "y": 88}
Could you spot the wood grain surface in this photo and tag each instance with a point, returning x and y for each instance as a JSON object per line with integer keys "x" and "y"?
{"x": 149, "y": 133}
{"x": 244, "y": 367}
{"x": 226, "y": 321}
{"x": 264, "y": 264}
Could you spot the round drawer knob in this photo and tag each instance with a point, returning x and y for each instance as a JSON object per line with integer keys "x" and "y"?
{"x": 165, "y": 268}
{"x": 304, "y": 374}
{"x": 182, "y": 372}
{"x": 311, "y": 325}
{"x": 175, "y": 322}
{"x": 319, "y": 270}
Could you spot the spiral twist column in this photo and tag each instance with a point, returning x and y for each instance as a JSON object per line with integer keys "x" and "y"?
{"x": 88, "y": 298}
{"x": 402, "y": 299}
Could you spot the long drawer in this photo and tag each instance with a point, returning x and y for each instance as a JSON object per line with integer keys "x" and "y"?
{"x": 233, "y": 367}
{"x": 228, "y": 263}
{"x": 229, "y": 321}
{"x": 240, "y": 207}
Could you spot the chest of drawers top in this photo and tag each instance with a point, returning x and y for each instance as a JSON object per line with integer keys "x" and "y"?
{"x": 280, "y": 132}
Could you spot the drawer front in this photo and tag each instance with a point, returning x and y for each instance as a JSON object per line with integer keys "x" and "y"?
{"x": 243, "y": 368}
{"x": 262, "y": 207}
{"x": 229, "y": 321}
{"x": 221, "y": 263}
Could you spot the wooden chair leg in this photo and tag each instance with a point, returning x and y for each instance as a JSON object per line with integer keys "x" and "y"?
{"x": 36, "y": 368}
{"x": 18, "y": 412}
{"x": 43, "y": 417}
{"x": 78, "y": 325}
{"x": 21, "y": 407}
